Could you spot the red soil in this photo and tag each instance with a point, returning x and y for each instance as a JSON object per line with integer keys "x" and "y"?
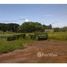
{"x": 38, "y": 52}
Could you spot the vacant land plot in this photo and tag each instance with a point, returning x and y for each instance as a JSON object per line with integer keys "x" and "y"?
{"x": 10, "y": 42}
{"x": 38, "y": 52}
{"x": 57, "y": 35}
{"x": 27, "y": 50}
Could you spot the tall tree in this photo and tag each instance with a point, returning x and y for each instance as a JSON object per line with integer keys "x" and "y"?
{"x": 13, "y": 27}
{"x": 31, "y": 27}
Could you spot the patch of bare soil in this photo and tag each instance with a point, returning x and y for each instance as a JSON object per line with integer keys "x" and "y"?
{"x": 48, "y": 51}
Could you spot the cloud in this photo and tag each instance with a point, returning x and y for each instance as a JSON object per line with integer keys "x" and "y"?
{"x": 26, "y": 20}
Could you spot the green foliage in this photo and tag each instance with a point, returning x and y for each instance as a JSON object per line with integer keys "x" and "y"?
{"x": 32, "y": 36}
{"x": 47, "y": 27}
{"x": 13, "y": 27}
{"x": 15, "y": 37}
{"x": 31, "y": 27}
{"x": 57, "y": 29}
{"x": 39, "y": 36}
{"x": 25, "y": 27}
{"x": 22, "y": 35}
{"x": 7, "y": 46}
{"x": 10, "y": 38}
{"x": 64, "y": 29}
{"x": 57, "y": 35}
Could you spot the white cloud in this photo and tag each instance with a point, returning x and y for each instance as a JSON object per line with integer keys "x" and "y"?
{"x": 26, "y": 20}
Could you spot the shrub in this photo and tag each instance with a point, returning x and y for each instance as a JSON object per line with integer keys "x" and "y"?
{"x": 32, "y": 36}
{"x": 39, "y": 36}
{"x": 42, "y": 36}
{"x": 21, "y": 36}
{"x": 11, "y": 38}
{"x": 17, "y": 36}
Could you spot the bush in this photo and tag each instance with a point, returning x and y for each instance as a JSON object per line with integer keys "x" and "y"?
{"x": 17, "y": 36}
{"x": 39, "y": 36}
{"x": 21, "y": 36}
{"x": 42, "y": 36}
{"x": 32, "y": 36}
{"x": 11, "y": 38}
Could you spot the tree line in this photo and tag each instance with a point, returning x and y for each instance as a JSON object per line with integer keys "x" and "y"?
{"x": 24, "y": 27}
{"x": 28, "y": 27}
{"x": 12, "y": 27}
{"x": 64, "y": 29}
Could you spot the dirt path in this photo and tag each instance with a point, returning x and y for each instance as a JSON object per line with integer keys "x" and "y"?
{"x": 38, "y": 52}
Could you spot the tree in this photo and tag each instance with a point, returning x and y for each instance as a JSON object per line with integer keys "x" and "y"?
{"x": 56, "y": 29}
{"x": 3, "y": 27}
{"x": 31, "y": 27}
{"x": 64, "y": 29}
{"x": 47, "y": 27}
{"x": 13, "y": 27}
{"x": 50, "y": 26}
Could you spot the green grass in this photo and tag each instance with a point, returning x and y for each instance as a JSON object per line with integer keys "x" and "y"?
{"x": 57, "y": 35}
{"x": 7, "y": 46}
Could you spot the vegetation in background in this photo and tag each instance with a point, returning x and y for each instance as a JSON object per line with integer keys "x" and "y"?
{"x": 25, "y": 27}
{"x": 31, "y": 27}
{"x": 64, "y": 29}
{"x": 14, "y": 36}
{"x": 57, "y": 35}
{"x": 11, "y": 27}
{"x": 7, "y": 46}
{"x": 28, "y": 27}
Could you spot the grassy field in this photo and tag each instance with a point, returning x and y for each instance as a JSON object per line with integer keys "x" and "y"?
{"x": 7, "y": 46}
{"x": 57, "y": 35}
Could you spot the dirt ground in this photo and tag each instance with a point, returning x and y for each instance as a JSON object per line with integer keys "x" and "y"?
{"x": 48, "y": 51}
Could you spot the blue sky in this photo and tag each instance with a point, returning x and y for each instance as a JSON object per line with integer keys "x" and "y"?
{"x": 54, "y": 14}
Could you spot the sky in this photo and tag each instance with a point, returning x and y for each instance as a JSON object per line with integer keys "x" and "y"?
{"x": 55, "y": 14}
